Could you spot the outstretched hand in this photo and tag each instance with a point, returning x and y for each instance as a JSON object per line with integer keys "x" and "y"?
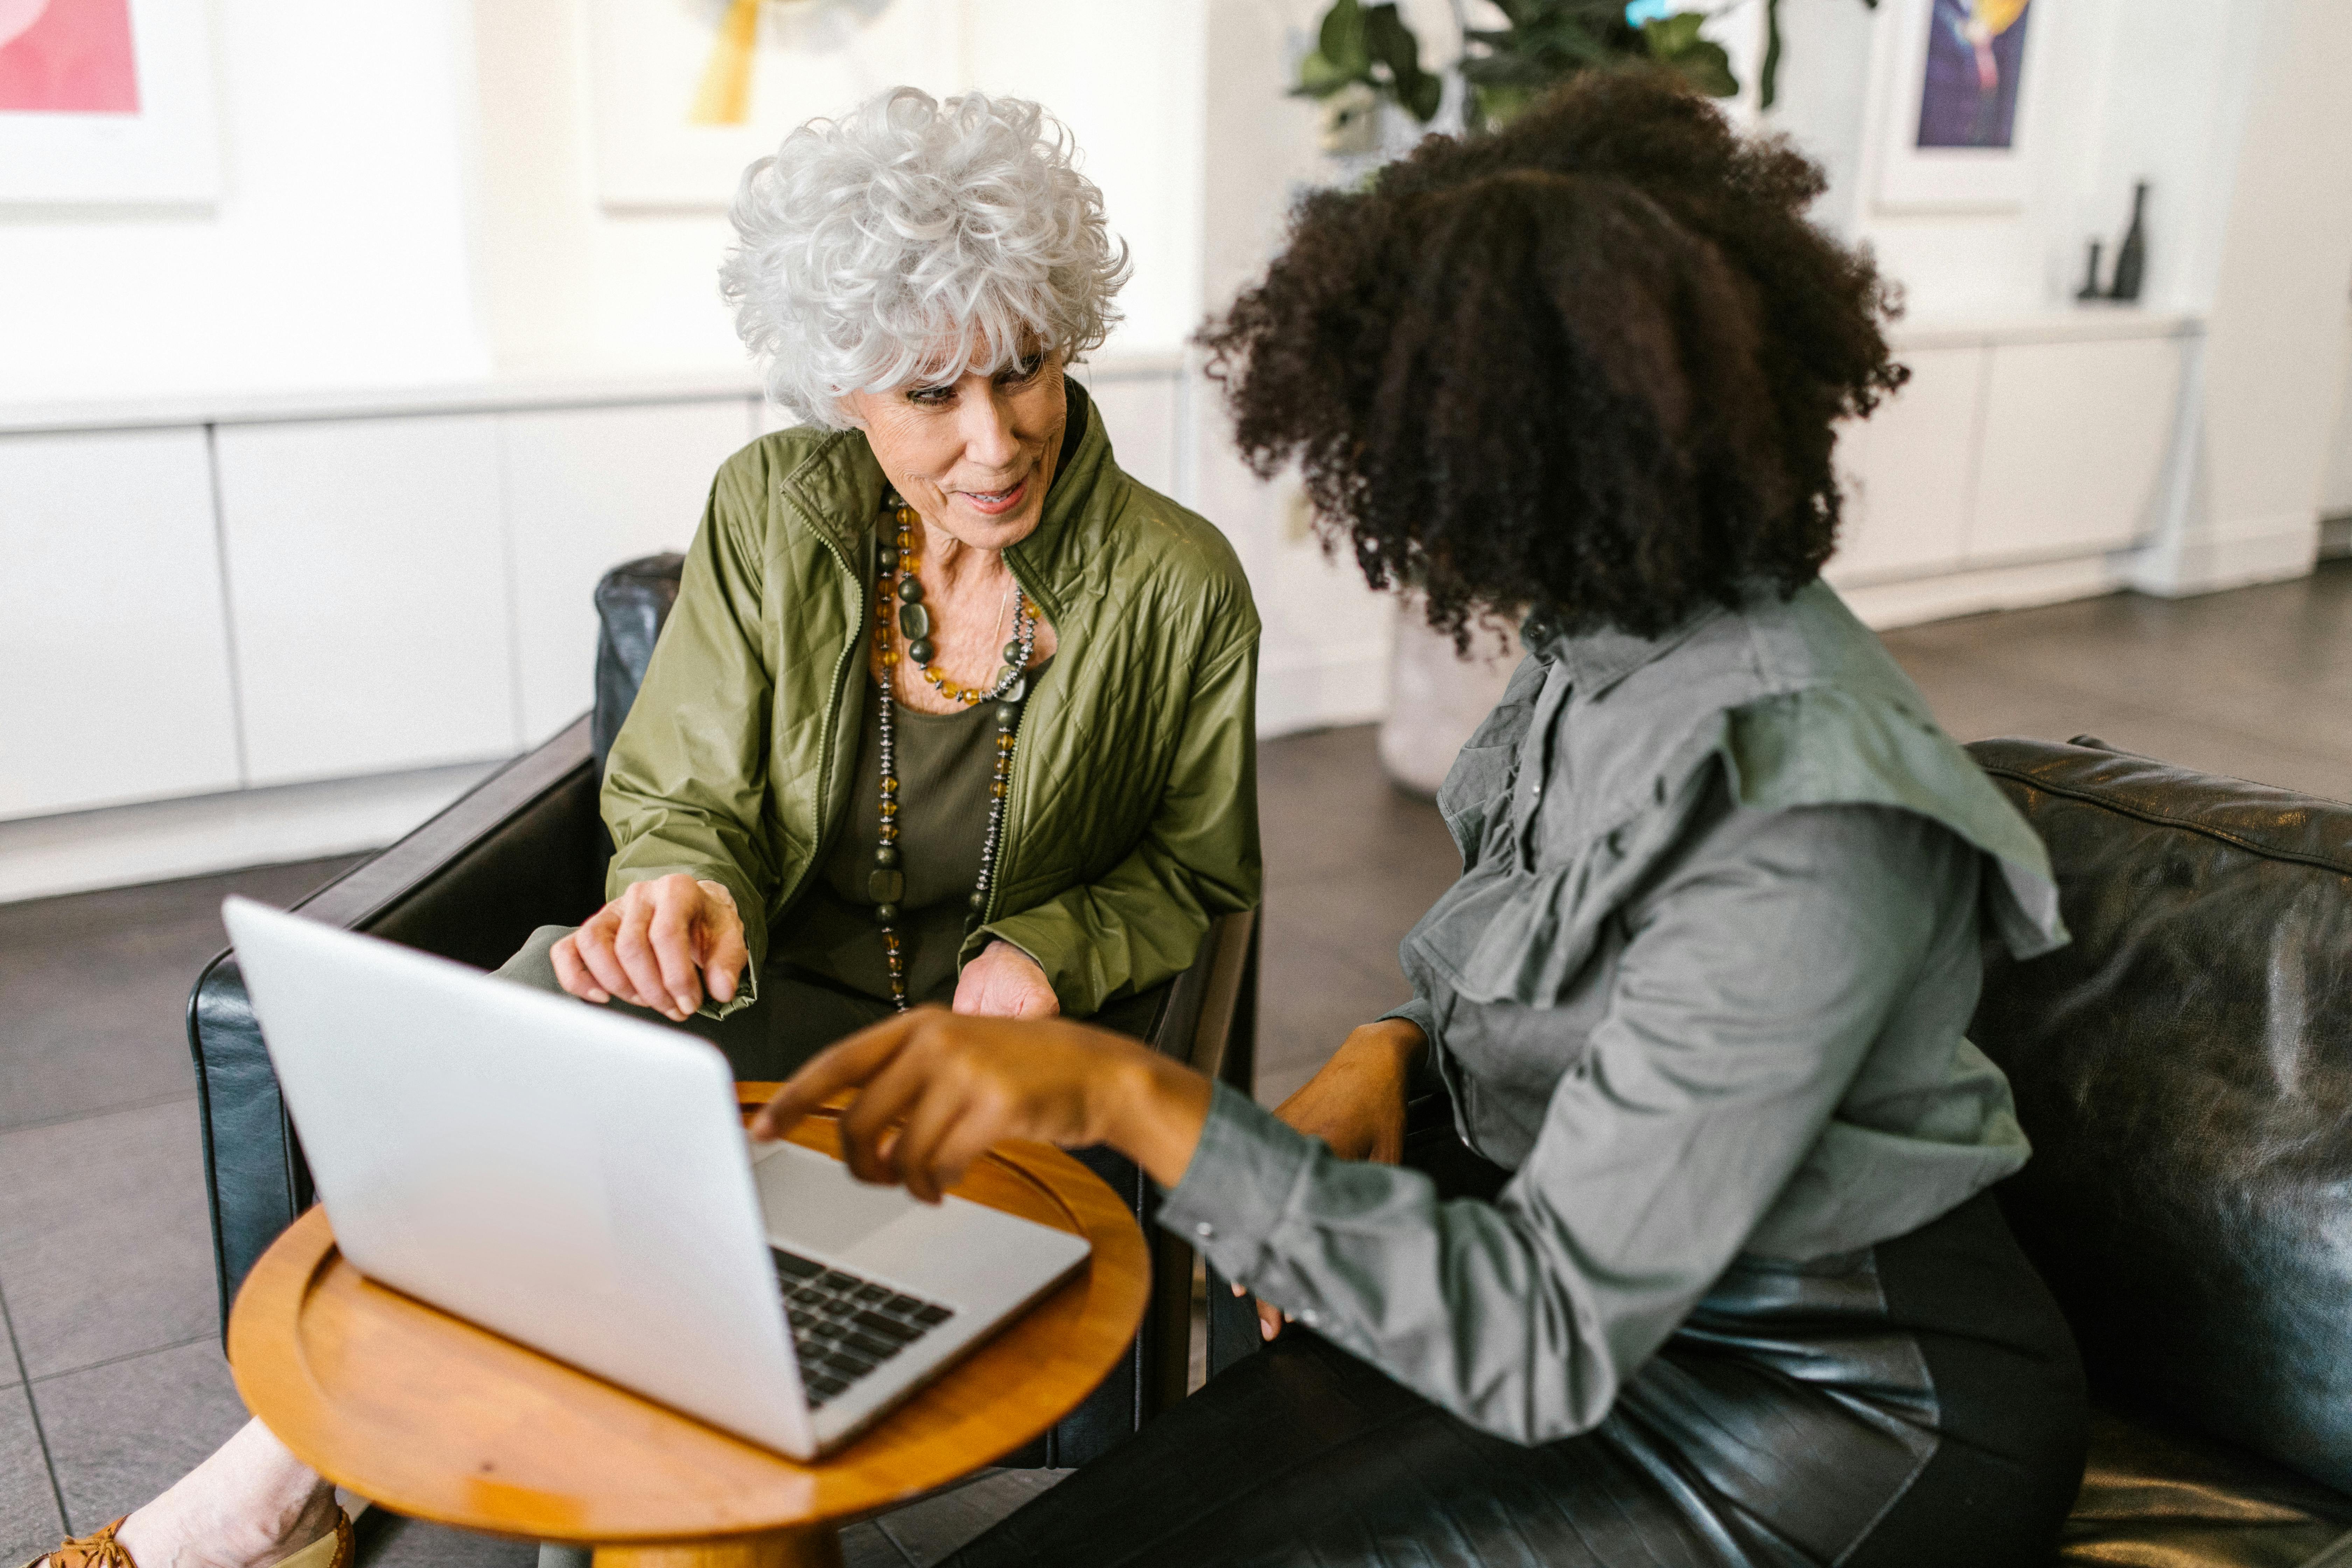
{"x": 937, "y": 1089}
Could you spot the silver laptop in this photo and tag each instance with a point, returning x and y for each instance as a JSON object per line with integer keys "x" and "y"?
{"x": 580, "y": 1182}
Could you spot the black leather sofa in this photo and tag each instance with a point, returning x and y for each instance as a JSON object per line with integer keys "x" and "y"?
{"x": 527, "y": 847}
{"x": 2184, "y": 1072}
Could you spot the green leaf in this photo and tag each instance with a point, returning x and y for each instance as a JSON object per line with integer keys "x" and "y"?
{"x": 1341, "y": 37}
{"x": 1392, "y": 44}
{"x": 1767, "y": 86}
{"x": 1703, "y": 65}
{"x": 1499, "y": 105}
{"x": 1670, "y": 35}
{"x": 1389, "y": 41}
{"x": 1426, "y": 95}
{"x": 1320, "y": 77}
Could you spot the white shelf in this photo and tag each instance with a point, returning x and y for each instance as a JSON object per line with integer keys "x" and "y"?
{"x": 2073, "y": 324}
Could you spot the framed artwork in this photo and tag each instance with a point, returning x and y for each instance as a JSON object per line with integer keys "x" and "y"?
{"x": 107, "y": 102}
{"x": 687, "y": 92}
{"x": 1957, "y": 126}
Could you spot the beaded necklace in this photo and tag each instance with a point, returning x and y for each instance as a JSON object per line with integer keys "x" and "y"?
{"x": 898, "y": 609}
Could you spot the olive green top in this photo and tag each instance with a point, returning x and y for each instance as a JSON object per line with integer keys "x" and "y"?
{"x": 1702, "y": 987}
{"x": 1132, "y": 819}
{"x": 945, "y": 763}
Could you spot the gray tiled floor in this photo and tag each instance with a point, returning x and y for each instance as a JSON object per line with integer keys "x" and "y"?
{"x": 104, "y": 1249}
{"x": 104, "y": 1258}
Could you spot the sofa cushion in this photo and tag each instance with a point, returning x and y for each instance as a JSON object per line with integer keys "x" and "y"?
{"x": 2184, "y": 1072}
{"x": 2154, "y": 1496}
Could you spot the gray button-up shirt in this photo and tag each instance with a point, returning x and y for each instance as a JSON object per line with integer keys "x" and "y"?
{"x": 1702, "y": 987}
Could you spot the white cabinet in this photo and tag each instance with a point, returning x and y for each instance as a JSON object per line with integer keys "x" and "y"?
{"x": 368, "y": 591}
{"x": 587, "y": 489}
{"x": 1908, "y": 471}
{"x": 2075, "y": 443}
{"x": 116, "y": 683}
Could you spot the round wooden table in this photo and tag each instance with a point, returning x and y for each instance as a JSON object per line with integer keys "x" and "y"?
{"x": 433, "y": 1417}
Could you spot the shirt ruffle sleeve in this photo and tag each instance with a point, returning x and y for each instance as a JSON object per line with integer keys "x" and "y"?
{"x": 1531, "y": 930}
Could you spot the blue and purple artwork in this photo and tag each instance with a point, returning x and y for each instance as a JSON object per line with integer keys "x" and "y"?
{"x": 1976, "y": 57}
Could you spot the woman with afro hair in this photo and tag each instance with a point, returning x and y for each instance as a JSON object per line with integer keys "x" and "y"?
{"x": 1701, "y": 1268}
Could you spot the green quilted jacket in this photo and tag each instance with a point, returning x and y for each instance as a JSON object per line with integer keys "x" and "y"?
{"x": 1133, "y": 815}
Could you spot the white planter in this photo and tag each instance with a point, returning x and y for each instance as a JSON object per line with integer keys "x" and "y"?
{"x": 1435, "y": 698}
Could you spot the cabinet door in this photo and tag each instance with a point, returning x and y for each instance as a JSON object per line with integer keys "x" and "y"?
{"x": 1906, "y": 471}
{"x": 111, "y": 633}
{"x": 586, "y": 490}
{"x": 2075, "y": 440}
{"x": 369, "y": 594}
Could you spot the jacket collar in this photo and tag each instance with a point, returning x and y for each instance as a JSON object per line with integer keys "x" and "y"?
{"x": 1055, "y": 558}
{"x": 1597, "y": 660}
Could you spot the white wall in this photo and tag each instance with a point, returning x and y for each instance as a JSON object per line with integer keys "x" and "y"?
{"x": 568, "y": 280}
{"x": 2225, "y": 106}
{"x": 2336, "y": 490}
{"x": 338, "y": 253}
{"x": 409, "y": 197}
{"x": 564, "y": 281}
{"x": 2256, "y": 445}
{"x": 1324, "y": 658}
{"x": 2116, "y": 91}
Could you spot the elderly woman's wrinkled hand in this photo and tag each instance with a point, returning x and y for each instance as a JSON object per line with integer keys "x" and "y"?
{"x": 937, "y": 1089}
{"x": 1005, "y": 983}
{"x": 663, "y": 944}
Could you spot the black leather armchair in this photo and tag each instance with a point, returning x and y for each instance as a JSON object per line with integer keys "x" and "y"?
{"x": 2184, "y": 1072}
{"x": 527, "y": 847}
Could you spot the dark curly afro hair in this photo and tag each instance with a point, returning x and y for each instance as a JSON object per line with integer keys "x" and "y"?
{"x": 1585, "y": 367}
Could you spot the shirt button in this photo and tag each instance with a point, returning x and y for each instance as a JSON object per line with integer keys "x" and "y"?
{"x": 1204, "y": 1230}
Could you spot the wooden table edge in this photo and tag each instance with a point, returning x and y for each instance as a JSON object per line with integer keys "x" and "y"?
{"x": 260, "y": 1353}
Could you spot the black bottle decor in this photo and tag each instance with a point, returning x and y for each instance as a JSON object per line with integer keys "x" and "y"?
{"x": 2090, "y": 288}
{"x": 2131, "y": 261}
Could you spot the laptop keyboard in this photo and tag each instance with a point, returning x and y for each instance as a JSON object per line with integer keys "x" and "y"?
{"x": 845, "y": 1326}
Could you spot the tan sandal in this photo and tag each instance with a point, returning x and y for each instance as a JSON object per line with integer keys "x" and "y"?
{"x": 99, "y": 1548}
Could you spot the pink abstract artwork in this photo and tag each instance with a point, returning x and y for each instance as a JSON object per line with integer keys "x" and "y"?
{"x": 70, "y": 56}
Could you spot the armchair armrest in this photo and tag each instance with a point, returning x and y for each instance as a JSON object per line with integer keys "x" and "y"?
{"x": 1209, "y": 1022}
{"x": 522, "y": 848}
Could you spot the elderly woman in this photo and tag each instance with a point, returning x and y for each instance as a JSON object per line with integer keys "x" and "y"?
{"x": 1722, "y": 1283}
{"x": 1042, "y": 788}
{"x": 949, "y": 708}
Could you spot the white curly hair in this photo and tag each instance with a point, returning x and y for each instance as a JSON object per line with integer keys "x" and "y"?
{"x": 885, "y": 245}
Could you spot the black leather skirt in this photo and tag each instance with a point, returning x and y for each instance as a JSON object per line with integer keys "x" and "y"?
{"x": 1912, "y": 1405}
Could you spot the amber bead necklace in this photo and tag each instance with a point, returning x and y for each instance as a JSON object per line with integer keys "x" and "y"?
{"x": 898, "y": 610}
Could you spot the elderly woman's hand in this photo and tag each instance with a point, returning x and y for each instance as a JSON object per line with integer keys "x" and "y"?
{"x": 662, "y": 944}
{"x": 935, "y": 1091}
{"x": 1005, "y": 983}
